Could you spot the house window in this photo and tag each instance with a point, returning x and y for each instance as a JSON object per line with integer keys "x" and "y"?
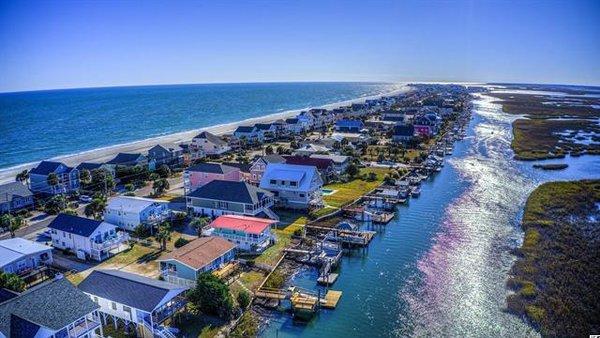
{"x": 273, "y": 181}
{"x": 302, "y": 195}
{"x": 127, "y": 309}
{"x": 95, "y": 299}
{"x": 113, "y": 305}
{"x": 293, "y": 184}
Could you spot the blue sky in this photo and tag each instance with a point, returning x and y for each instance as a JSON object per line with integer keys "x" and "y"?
{"x": 65, "y": 44}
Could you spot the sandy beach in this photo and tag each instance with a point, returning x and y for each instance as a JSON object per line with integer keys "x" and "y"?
{"x": 107, "y": 153}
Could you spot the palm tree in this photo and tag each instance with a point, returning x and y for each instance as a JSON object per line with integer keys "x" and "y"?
{"x": 85, "y": 176}
{"x": 200, "y": 223}
{"x": 163, "y": 235}
{"x": 23, "y": 176}
{"x": 17, "y": 223}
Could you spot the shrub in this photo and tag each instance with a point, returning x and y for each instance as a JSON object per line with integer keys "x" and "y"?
{"x": 243, "y": 299}
{"x": 211, "y": 296}
{"x": 181, "y": 242}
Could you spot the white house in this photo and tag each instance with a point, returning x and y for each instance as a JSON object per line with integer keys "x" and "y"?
{"x": 18, "y": 255}
{"x": 142, "y": 302}
{"x": 127, "y": 212}
{"x": 294, "y": 186}
{"x": 307, "y": 120}
{"x": 248, "y": 134}
{"x": 340, "y": 162}
{"x": 209, "y": 144}
{"x": 86, "y": 237}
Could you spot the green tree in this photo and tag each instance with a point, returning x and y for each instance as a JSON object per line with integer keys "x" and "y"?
{"x": 269, "y": 150}
{"x": 164, "y": 171}
{"x": 22, "y": 176}
{"x": 85, "y": 177}
{"x": 163, "y": 235}
{"x": 243, "y": 299}
{"x": 160, "y": 186}
{"x": 102, "y": 181}
{"x": 96, "y": 207}
{"x": 211, "y": 295}
{"x": 12, "y": 282}
{"x": 352, "y": 170}
{"x": 52, "y": 180}
{"x": 16, "y": 223}
{"x": 199, "y": 223}
{"x": 280, "y": 150}
{"x": 5, "y": 221}
{"x": 55, "y": 204}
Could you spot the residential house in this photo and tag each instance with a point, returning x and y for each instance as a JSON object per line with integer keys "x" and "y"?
{"x": 146, "y": 303}
{"x": 127, "y": 212}
{"x": 268, "y": 131}
{"x": 182, "y": 266}
{"x": 307, "y": 120}
{"x": 200, "y": 174}
{"x": 230, "y": 198}
{"x": 353, "y": 138}
{"x": 54, "y": 309}
{"x": 68, "y": 178}
{"x": 403, "y": 133}
{"x": 19, "y": 255}
{"x": 281, "y": 128}
{"x": 340, "y": 162}
{"x": 311, "y": 148}
{"x": 248, "y": 233}
{"x": 244, "y": 169}
{"x": 359, "y": 109}
{"x": 294, "y": 186}
{"x": 161, "y": 154}
{"x": 294, "y": 126}
{"x": 248, "y": 134}
{"x": 425, "y": 126}
{"x": 87, "y": 238}
{"x": 15, "y": 196}
{"x": 349, "y": 126}
{"x": 130, "y": 160}
{"x": 325, "y": 166}
{"x": 260, "y": 164}
{"x": 89, "y": 166}
{"x": 397, "y": 116}
{"x": 209, "y": 144}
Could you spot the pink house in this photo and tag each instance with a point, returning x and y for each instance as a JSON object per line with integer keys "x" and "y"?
{"x": 423, "y": 130}
{"x": 203, "y": 173}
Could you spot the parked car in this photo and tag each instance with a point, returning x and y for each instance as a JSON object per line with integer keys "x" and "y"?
{"x": 85, "y": 198}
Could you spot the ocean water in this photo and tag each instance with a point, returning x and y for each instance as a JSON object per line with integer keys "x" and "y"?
{"x": 45, "y": 124}
{"x": 439, "y": 269}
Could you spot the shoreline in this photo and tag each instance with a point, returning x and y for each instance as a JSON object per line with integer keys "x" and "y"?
{"x": 108, "y": 152}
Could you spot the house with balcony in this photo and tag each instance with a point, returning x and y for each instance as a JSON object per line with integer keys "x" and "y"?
{"x": 87, "y": 238}
{"x": 20, "y": 256}
{"x": 293, "y": 186}
{"x": 127, "y": 212}
{"x": 209, "y": 144}
{"x": 182, "y": 266}
{"x": 53, "y": 309}
{"x": 230, "y": 198}
{"x": 307, "y": 120}
{"x": 248, "y": 134}
{"x": 90, "y": 166}
{"x": 294, "y": 126}
{"x": 68, "y": 178}
{"x": 143, "y": 304}
{"x": 15, "y": 196}
{"x": 340, "y": 162}
{"x": 403, "y": 133}
{"x": 325, "y": 166}
{"x": 249, "y": 234}
{"x": 162, "y": 154}
{"x": 258, "y": 167}
{"x": 130, "y": 160}
{"x": 349, "y": 126}
{"x": 268, "y": 131}
{"x": 200, "y": 174}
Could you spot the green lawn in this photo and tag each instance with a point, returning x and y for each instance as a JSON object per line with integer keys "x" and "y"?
{"x": 350, "y": 191}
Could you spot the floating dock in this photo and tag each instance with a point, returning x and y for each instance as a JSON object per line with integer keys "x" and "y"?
{"x": 327, "y": 279}
{"x": 331, "y": 299}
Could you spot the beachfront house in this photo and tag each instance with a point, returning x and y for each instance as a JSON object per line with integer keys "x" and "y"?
{"x": 68, "y": 178}
{"x": 209, "y": 144}
{"x": 90, "y": 166}
{"x": 20, "y": 256}
{"x": 54, "y": 309}
{"x": 260, "y": 164}
{"x": 128, "y": 160}
{"x": 248, "y": 233}
{"x": 349, "y": 126}
{"x": 15, "y": 196}
{"x": 169, "y": 155}
{"x": 307, "y": 120}
{"x": 182, "y": 266}
{"x": 248, "y": 134}
{"x": 268, "y": 131}
{"x": 87, "y": 238}
{"x": 128, "y": 212}
{"x": 294, "y": 186}
{"x": 230, "y": 198}
{"x": 139, "y": 303}
{"x": 340, "y": 162}
{"x": 200, "y": 174}
{"x": 403, "y": 133}
{"x": 294, "y": 126}
{"x": 397, "y": 116}
{"x": 311, "y": 148}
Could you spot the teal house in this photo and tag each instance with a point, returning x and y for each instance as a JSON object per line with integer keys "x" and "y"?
{"x": 205, "y": 254}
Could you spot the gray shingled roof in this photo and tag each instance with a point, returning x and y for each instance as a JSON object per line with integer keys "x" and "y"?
{"x": 211, "y": 138}
{"x": 238, "y": 192}
{"x": 46, "y": 167}
{"x": 214, "y": 168}
{"x": 74, "y": 224}
{"x": 54, "y": 305}
{"x": 11, "y": 190}
{"x": 127, "y": 288}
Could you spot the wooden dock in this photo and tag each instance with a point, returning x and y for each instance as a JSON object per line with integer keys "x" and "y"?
{"x": 327, "y": 279}
{"x": 269, "y": 293}
{"x": 331, "y": 299}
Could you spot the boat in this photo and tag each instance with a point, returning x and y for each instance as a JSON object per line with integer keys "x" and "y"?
{"x": 415, "y": 192}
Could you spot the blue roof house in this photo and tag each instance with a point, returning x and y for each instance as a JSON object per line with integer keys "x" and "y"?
{"x": 349, "y": 126}
{"x": 68, "y": 178}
